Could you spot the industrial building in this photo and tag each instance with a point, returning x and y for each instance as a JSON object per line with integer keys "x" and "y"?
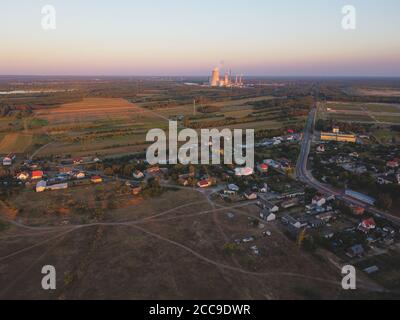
{"x": 336, "y": 135}
{"x": 227, "y": 81}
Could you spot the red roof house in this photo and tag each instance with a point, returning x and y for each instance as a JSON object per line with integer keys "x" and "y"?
{"x": 38, "y": 174}
{"x": 367, "y": 225}
{"x": 204, "y": 183}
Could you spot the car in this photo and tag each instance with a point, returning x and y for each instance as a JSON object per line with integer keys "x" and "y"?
{"x": 249, "y": 239}
{"x": 255, "y": 250}
{"x": 267, "y": 233}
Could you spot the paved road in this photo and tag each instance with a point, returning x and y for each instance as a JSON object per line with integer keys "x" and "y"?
{"x": 305, "y": 176}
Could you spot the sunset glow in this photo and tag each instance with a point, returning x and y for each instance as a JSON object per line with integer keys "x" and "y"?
{"x": 179, "y": 37}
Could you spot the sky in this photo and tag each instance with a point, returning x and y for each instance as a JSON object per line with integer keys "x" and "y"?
{"x": 188, "y": 37}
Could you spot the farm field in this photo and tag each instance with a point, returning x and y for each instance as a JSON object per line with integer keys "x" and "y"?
{"x": 106, "y": 126}
{"x": 92, "y": 109}
{"x": 361, "y": 112}
{"x": 380, "y": 92}
{"x": 98, "y": 126}
{"x": 15, "y": 142}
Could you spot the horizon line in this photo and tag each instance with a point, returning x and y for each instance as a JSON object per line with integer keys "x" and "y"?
{"x": 198, "y": 76}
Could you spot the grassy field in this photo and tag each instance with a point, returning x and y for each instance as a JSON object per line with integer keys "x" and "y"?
{"x": 144, "y": 254}
{"x": 106, "y": 126}
{"x": 386, "y": 135}
{"x": 380, "y": 92}
{"x": 360, "y": 112}
{"x": 92, "y": 109}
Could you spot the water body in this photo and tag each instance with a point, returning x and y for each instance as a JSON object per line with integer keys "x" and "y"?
{"x": 30, "y": 91}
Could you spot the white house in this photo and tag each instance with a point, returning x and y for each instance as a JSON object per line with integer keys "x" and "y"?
{"x": 80, "y": 175}
{"x": 41, "y": 186}
{"x": 244, "y": 172}
{"x": 319, "y": 201}
{"x": 23, "y": 176}
{"x": 250, "y": 195}
{"x": 233, "y": 187}
{"x": 7, "y": 161}
{"x": 271, "y": 217}
{"x": 138, "y": 175}
{"x": 272, "y": 208}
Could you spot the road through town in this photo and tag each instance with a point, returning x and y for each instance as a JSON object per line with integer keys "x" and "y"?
{"x": 305, "y": 176}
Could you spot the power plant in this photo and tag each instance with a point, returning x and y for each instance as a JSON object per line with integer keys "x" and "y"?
{"x": 226, "y": 81}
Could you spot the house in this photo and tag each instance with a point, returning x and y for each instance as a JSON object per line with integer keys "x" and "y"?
{"x": 153, "y": 170}
{"x": 358, "y": 211}
{"x": 264, "y": 203}
{"x": 79, "y": 175}
{"x": 290, "y": 203}
{"x": 267, "y": 215}
{"x": 65, "y": 170}
{"x": 41, "y": 186}
{"x": 326, "y": 216}
{"x": 327, "y": 233}
{"x": 392, "y": 164}
{"x": 319, "y": 201}
{"x": 244, "y": 172}
{"x": 60, "y": 186}
{"x": 233, "y": 187}
{"x": 183, "y": 181}
{"x": 96, "y": 179}
{"x": 263, "y": 168}
{"x": 37, "y": 174}
{"x": 297, "y": 224}
{"x": 136, "y": 190}
{"x": 138, "y": 175}
{"x": 77, "y": 160}
{"x": 204, "y": 183}
{"x": 264, "y": 188}
{"x": 388, "y": 179}
{"x": 314, "y": 222}
{"x": 356, "y": 251}
{"x": 8, "y": 160}
{"x": 321, "y": 148}
{"x": 367, "y": 225}
{"x": 22, "y": 176}
{"x": 250, "y": 195}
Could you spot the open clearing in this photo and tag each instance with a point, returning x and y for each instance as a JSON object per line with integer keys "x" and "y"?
{"x": 142, "y": 244}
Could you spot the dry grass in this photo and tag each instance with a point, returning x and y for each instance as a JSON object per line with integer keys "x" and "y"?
{"x": 92, "y": 109}
{"x": 15, "y": 142}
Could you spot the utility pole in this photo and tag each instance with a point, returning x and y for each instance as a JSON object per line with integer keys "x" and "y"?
{"x": 194, "y": 107}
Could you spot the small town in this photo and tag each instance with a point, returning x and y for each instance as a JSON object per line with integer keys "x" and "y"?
{"x": 274, "y": 192}
{"x": 200, "y": 158}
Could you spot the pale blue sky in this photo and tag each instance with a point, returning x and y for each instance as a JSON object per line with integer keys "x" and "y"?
{"x": 186, "y": 37}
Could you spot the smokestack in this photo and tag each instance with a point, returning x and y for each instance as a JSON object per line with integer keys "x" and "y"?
{"x": 215, "y": 78}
